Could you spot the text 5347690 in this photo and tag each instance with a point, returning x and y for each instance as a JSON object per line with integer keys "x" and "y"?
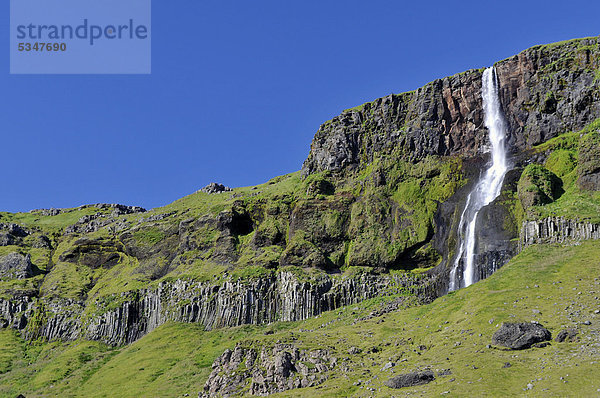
{"x": 48, "y": 47}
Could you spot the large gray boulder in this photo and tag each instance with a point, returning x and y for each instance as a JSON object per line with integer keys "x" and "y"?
{"x": 410, "y": 379}
{"x": 518, "y": 336}
{"x": 15, "y": 266}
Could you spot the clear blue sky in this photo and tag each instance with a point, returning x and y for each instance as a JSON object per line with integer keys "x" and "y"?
{"x": 238, "y": 90}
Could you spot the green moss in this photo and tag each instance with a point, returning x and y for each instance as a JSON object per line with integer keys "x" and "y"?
{"x": 10, "y": 350}
{"x": 251, "y": 272}
{"x": 561, "y": 162}
{"x": 149, "y": 236}
{"x": 176, "y": 358}
{"x": 565, "y": 159}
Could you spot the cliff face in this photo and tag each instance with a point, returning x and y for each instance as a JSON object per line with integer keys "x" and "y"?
{"x": 545, "y": 90}
{"x": 123, "y": 318}
{"x": 381, "y": 192}
{"x": 557, "y": 230}
{"x": 445, "y": 117}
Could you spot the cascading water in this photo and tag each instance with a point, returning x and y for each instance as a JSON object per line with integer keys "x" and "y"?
{"x": 463, "y": 272}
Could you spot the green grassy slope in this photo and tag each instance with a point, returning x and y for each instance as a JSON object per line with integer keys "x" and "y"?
{"x": 563, "y": 161}
{"x": 557, "y": 286}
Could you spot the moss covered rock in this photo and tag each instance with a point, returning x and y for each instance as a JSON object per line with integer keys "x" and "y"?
{"x": 588, "y": 172}
{"x": 538, "y": 186}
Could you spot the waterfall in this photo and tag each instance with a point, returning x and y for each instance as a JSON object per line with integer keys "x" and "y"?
{"x": 464, "y": 272}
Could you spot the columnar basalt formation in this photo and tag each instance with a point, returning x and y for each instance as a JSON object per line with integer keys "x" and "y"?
{"x": 557, "y": 230}
{"x": 124, "y": 318}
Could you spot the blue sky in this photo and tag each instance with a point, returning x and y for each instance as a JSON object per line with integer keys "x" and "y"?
{"x": 238, "y": 90}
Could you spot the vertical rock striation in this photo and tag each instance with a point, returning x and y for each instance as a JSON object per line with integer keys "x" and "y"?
{"x": 557, "y": 230}
{"x": 122, "y": 319}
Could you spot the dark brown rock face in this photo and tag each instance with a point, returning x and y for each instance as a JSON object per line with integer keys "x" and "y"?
{"x": 444, "y": 117}
{"x": 545, "y": 90}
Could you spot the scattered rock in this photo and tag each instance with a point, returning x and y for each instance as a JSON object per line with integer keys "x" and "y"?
{"x": 518, "y": 336}
{"x": 388, "y": 365}
{"x": 444, "y": 372}
{"x": 410, "y": 379}
{"x": 568, "y": 335}
{"x": 215, "y": 187}
{"x": 529, "y": 386}
{"x": 506, "y": 365}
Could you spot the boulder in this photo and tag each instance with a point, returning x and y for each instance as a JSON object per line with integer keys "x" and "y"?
{"x": 215, "y": 187}
{"x": 410, "y": 379}
{"x": 538, "y": 186}
{"x": 518, "y": 336}
{"x": 15, "y": 266}
{"x": 568, "y": 335}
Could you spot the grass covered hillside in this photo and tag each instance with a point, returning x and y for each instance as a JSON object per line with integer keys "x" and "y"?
{"x": 322, "y": 282}
{"x": 555, "y": 285}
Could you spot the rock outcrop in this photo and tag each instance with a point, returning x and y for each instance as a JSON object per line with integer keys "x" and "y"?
{"x": 123, "y": 318}
{"x": 445, "y": 117}
{"x": 544, "y": 91}
{"x": 588, "y": 177}
{"x": 557, "y": 230}
{"x": 215, "y": 187}
{"x": 518, "y": 336}
{"x": 15, "y": 266}
{"x": 267, "y": 370}
{"x": 568, "y": 335}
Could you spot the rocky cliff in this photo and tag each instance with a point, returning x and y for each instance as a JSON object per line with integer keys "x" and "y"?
{"x": 545, "y": 91}
{"x": 123, "y": 318}
{"x": 379, "y": 196}
{"x": 557, "y": 230}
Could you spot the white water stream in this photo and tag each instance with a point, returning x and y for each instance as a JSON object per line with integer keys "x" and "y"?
{"x": 464, "y": 272}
